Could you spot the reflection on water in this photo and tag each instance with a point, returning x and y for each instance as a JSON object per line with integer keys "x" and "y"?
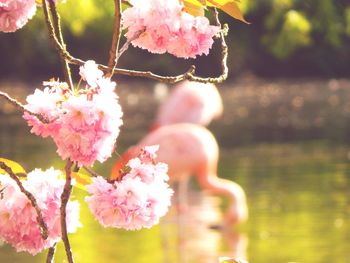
{"x": 298, "y": 197}
{"x": 198, "y": 234}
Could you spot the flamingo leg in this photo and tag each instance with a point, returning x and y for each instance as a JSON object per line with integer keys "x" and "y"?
{"x": 181, "y": 193}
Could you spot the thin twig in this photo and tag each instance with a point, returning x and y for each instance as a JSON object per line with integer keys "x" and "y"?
{"x": 91, "y": 172}
{"x": 112, "y": 62}
{"x": 56, "y": 19}
{"x": 21, "y": 108}
{"x": 31, "y": 198}
{"x": 125, "y": 48}
{"x": 64, "y": 200}
{"x": 224, "y": 48}
{"x": 188, "y": 75}
{"x": 51, "y": 254}
{"x": 55, "y": 41}
{"x": 150, "y": 75}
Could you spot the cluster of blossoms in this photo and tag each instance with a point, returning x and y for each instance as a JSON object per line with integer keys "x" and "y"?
{"x": 162, "y": 26}
{"x": 138, "y": 199}
{"x": 83, "y": 123}
{"x": 18, "y": 225}
{"x": 14, "y": 14}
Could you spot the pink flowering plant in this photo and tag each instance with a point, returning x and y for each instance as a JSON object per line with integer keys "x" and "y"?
{"x": 15, "y": 14}
{"x": 18, "y": 225}
{"x": 84, "y": 123}
{"x": 138, "y": 198}
{"x": 163, "y": 26}
{"x": 84, "y": 120}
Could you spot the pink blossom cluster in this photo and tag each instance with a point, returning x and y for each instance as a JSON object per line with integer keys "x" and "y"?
{"x": 83, "y": 123}
{"x": 138, "y": 199}
{"x": 18, "y": 224}
{"x": 14, "y": 14}
{"x": 162, "y": 26}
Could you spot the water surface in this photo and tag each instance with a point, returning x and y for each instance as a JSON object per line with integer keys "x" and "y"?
{"x": 298, "y": 198}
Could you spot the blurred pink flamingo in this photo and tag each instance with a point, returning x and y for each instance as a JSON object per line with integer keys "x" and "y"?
{"x": 190, "y": 102}
{"x": 191, "y": 149}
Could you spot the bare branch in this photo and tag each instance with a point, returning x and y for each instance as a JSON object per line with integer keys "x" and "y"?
{"x": 64, "y": 201}
{"x": 52, "y": 34}
{"x": 31, "y": 198}
{"x": 116, "y": 38}
{"x": 55, "y": 33}
{"x": 91, "y": 172}
{"x": 21, "y": 108}
{"x": 125, "y": 48}
{"x": 51, "y": 254}
{"x": 224, "y": 48}
{"x": 188, "y": 75}
{"x": 58, "y": 30}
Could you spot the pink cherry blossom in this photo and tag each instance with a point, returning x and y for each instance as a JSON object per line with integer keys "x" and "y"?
{"x": 14, "y": 14}
{"x": 18, "y": 224}
{"x": 85, "y": 123}
{"x": 149, "y": 153}
{"x": 194, "y": 38}
{"x": 46, "y": 104}
{"x": 89, "y": 128}
{"x": 90, "y": 73}
{"x": 162, "y": 26}
{"x": 137, "y": 200}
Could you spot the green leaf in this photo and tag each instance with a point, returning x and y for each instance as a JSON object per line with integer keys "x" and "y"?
{"x": 194, "y": 8}
{"x": 199, "y": 3}
{"x": 230, "y": 7}
{"x": 16, "y": 167}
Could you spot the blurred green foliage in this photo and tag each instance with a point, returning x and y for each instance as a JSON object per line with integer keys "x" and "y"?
{"x": 295, "y": 38}
{"x": 286, "y": 38}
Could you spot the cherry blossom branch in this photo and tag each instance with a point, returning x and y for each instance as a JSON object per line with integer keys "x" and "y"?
{"x": 188, "y": 75}
{"x": 21, "y": 108}
{"x": 116, "y": 37}
{"x": 58, "y": 29}
{"x": 125, "y": 48}
{"x": 64, "y": 200}
{"x": 56, "y": 36}
{"x": 150, "y": 75}
{"x": 31, "y": 198}
{"x": 91, "y": 172}
{"x": 51, "y": 254}
{"x": 54, "y": 40}
{"x": 224, "y": 48}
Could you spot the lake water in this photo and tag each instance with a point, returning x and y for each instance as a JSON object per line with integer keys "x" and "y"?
{"x": 298, "y": 197}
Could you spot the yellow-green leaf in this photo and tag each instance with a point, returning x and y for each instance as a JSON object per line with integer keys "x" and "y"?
{"x": 228, "y": 6}
{"x": 16, "y": 167}
{"x": 194, "y": 9}
{"x": 81, "y": 180}
{"x": 199, "y": 3}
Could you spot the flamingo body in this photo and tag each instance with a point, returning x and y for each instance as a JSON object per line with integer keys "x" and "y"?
{"x": 190, "y": 102}
{"x": 191, "y": 149}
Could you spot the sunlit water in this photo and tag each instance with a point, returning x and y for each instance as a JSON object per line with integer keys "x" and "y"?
{"x": 298, "y": 198}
